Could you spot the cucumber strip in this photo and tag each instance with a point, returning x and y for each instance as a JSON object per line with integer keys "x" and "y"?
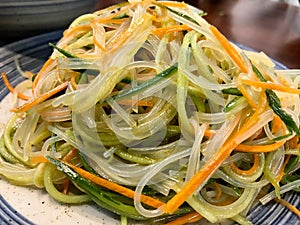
{"x": 275, "y": 105}
{"x": 132, "y": 91}
{"x": 100, "y": 196}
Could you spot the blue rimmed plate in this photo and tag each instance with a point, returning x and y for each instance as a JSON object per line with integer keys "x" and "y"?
{"x": 27, "y": 206}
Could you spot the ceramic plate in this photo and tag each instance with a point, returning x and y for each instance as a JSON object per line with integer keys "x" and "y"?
{"x": 26, "y": 206}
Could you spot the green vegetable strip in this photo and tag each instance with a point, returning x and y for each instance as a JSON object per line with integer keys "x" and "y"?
{"x": 274, "y": 103}
{"x": 183, "y": 15}
{"x": 102, "y": 197}
{"x": 8, "y": 141}
{"x": 59, "y": 196}
{"x": 159, "y": 77}
{"x": 232, "y": 91}
{"x": 62, "y": 51}
{"x": 143, "y": 160}
{"x": 269, "y": 175}
{"x": 234, "y": 102}
{"x": 5, "y": 154}
{"x": 198, "y": 103}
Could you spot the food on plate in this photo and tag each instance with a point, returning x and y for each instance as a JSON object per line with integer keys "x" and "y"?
{"x": 147, "y": 110}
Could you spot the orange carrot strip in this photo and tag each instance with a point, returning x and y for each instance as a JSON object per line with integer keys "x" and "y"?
{"x": 79, "y": 28}
{"x": 289, "y": 206}
{"x": 277, "y": 124}
{"x": 117, "y": 21}
{"x": 232, "y": 52}
{"x": 173, "y": 4}
{"x": 259, "y": 148}
{"x": 246, "y": 94}
{"x": 38, "y": 76}
{"x": 209, "y": 133}
{"x": 127, "y": 33}
{"x": 218, "y": 189}
{"x": 147, "y": 103}
{"x": 293, "y": 142}
{"x": 114, "y": 186}
{"x": 66, "y": 186}
{"x": 73, "y": 80}
{"x": 111, "y": 16}
{"x": 214, "y": 162}
{"x": 246, "y": 172}
{"x": 160, "y": 32}
{"x": 71, "y": 154}
{"x": 283, "y": 81}
{"x": 38, "y": 159}
{"x": 271, "y": 86}
{"x": 191, "y": 217}
{"x": 34, "y": 101}
{"x": 281, "y": 172}
{"x": 12, "y": 89}
{"x": 96, "y": 42}
{"x": 29, "y": 74}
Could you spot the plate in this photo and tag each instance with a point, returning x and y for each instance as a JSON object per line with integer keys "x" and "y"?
{"x": 28, "y": 206}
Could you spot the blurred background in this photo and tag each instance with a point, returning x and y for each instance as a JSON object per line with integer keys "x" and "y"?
{"x": 272, "y": 26}
{"x": 24, "y": 18}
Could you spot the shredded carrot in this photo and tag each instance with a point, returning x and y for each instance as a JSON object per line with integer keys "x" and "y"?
{"x": 113, "y": 15}
{"x": 232, "y": 52}
{"x": 38, "y": 159}
{"x": 173, "y": 4}
{"x": 115, "y": 187}
{"x": 73, "y": 80}
{"x": 42, "y": 70}
{"x": 289, "y": 206}
{"x": 209, "y": 133}
{"x": 79, "y": 29}
{"x": 271, "y": 86}
{"x": 281, "y": 172}
{"x": 148, "y": 103}
{"x": 277, "y": 124}
{"x": 71, "y": 154}
{"x": 259, "y": 148}
{"x": 96, "y": 42}
{"x": 218, "y": 190}
{"x": 12, "y": 89}
{"x": 66, "y": 186}
{"x": 128, "y": 32}
{"x": 283, "y": 81}
{"x": 191, "y": 217}
{"x": 28, "y": 74}
{"x": 216, "y": 160}
{"x": 293, "y": 142}
{"x": 246, "y": 172}
{"x": 116, "y": 21}
{"x": 246, "y": 94}
{"x": 34, "y": 101}
{"x": 160, "y": 32}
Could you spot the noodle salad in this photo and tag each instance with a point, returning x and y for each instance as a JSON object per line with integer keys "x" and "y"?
{"x": 147, "y": 110}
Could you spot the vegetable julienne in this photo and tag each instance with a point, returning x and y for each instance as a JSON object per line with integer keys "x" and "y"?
{"x": 149, "y": 111}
